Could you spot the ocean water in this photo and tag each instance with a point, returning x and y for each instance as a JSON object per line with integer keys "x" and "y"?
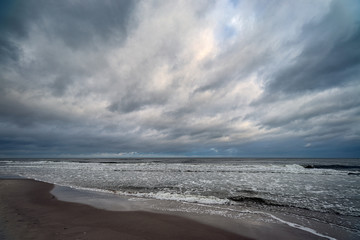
{"x": 324, "y": 190}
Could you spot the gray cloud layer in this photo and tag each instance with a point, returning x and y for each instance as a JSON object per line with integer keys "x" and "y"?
{"x": 236, "y": 78}
{"x": 330, "y": 57}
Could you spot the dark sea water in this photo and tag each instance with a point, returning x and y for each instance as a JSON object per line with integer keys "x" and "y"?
{"x": 324, "y": 190}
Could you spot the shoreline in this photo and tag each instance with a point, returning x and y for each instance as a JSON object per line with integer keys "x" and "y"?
{"x": 30, "y": 211}
{"x": 24, "y": 202}
{"x": 252, "y": 224}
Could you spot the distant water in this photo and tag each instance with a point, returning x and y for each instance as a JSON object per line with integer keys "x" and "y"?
{"x": 324, "y": 189}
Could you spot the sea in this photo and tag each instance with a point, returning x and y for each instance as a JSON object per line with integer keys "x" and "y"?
{"x": 325, "y": 191}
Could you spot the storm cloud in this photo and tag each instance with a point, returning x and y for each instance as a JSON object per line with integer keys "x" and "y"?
{"x": 180, "y": 78}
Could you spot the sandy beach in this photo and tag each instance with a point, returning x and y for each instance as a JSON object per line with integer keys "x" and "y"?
{"x": 29, "y": 211}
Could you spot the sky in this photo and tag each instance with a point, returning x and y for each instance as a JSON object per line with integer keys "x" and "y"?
{"x": 246, "y": 78}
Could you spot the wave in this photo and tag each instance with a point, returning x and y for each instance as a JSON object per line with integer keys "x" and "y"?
{"x": 334, "y": 167}
{"x": 354, "y": 173}
{"x": 177, "y": 197}
{"x": 290, "y": 169}
{"x": 259, "y": 201}
{"x": 157, "y": 167}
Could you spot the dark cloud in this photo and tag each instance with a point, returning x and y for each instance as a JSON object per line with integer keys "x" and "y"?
{"x": 23, "y": 114}
{"x": 8, "y": 51}
{"x": 136, "y": 99}
{"x": 78, "y": 23}
{"x": 331, "y": 54}
{"x": 324, "y": 105}
{"x": 83, "y": 27}
{"x": 14, "y": 21}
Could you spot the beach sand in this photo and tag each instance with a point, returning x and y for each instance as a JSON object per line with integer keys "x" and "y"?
{"x": 29, "y": 211}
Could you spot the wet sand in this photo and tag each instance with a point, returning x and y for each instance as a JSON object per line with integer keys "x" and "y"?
{"x": 29, "y": 211}
{"x": 254, "y": 226}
